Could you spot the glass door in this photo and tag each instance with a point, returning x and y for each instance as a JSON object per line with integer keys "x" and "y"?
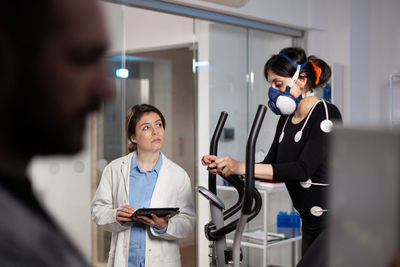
{"x": 154, "y": 66}
{"x": 230, "y": 77}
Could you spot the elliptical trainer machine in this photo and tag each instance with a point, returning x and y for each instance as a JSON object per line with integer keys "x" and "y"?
{"x": 215, "y": 230}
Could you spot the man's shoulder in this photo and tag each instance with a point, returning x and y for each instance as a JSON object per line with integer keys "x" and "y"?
{"x": 28, "y": 239}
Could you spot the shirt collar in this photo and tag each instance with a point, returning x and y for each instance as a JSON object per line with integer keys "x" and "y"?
{"x": 157, "y": 167}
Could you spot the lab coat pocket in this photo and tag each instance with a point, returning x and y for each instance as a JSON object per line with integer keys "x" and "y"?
{"x": 168, "y": 261}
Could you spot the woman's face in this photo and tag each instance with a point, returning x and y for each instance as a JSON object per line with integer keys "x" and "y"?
{"x": 278, "y": 82}
{"x": 149, "y": 133}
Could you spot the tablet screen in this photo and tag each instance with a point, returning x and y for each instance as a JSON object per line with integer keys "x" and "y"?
{"x": 160, "y": 212}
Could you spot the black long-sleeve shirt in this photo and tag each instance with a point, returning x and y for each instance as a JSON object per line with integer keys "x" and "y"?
{"x": 293, "y": 162}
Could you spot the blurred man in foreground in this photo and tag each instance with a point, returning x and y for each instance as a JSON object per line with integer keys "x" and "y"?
{"x": 51, "y": 76}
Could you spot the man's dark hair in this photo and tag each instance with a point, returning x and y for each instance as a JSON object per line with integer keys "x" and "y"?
{"x": 27, "y": 24}
{"x": 25, "y": 27}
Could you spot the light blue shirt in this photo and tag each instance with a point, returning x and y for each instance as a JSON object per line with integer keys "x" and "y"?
{"x": 141, "y": 187}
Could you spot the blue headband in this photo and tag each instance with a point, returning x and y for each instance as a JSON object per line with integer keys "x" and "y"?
{"x": 294, "y": 63}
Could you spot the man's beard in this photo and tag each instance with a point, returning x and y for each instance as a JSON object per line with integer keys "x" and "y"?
{"x": 29, "y": 134}
{"x": 33, "y": 129}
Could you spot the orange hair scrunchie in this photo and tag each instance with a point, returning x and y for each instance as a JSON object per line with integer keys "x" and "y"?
{"x": 317, "y": 70}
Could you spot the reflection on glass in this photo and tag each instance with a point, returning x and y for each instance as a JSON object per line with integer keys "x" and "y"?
{"x": 234, "y": 78}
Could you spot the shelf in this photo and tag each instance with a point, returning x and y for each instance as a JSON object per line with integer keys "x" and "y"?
{"x": 260, "y": 245}
{"x": 257, "y": 242}
{"x": 275, "y": 187}
{"x": 270, "y": 187}
{"x": 275, "y": 243}
{"x": 246, "y": 244}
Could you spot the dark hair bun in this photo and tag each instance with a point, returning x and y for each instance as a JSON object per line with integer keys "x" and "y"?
{"x": 325, "y": 72}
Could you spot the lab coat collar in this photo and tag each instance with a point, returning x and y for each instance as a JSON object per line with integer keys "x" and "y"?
{"x": 126, "y": 166}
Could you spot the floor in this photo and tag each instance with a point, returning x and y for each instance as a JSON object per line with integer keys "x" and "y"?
{"x": 188, "y": 256}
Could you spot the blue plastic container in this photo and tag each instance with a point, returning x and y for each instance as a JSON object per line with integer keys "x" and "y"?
{"x": 288, "y": 224}
{"x": 291, "y": 220}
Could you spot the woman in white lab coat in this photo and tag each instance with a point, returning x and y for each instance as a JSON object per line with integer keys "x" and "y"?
{"x": 144, "y": 178}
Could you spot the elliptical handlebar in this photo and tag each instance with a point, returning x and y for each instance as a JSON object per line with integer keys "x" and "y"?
{"x": 250, "y": 159}
{"x": 215, "y": 234}
{"x": 216, "y": 230}
{"x": 212, "y": 185}
{"x": 238, "y": 183}
{"x": 249, "y": 182}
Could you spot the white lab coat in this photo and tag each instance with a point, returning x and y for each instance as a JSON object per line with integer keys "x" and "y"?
{"x": 172, "y": 189}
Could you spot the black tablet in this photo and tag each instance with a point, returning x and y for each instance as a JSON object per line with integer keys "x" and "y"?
{"x": 160, "y": 212}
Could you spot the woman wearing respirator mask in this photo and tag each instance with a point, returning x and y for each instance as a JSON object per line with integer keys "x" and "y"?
{"x": 298, "y": 153}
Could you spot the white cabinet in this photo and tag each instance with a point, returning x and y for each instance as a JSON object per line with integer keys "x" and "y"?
{"x": 257, "y": 250}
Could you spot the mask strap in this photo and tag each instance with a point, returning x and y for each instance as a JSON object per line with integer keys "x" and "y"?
{"x": 294, "y": 63}
{"x": 292, "y": 81}
{"x": 287, "y": 92}
{"x": 295, "y": 76}
{"x": 297, "y": 66}
{"x": 307, "y": 94}
{"x": 299, "y": 98}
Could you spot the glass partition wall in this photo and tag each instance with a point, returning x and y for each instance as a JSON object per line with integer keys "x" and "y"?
{"x": 231, "y": 78}
{"x": 148, "y": 65}
{"x": 191, "y": 69}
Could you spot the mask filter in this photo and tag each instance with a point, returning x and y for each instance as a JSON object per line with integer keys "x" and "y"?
{"x": 282, "y": 103}
{"x": 286, "y": 104}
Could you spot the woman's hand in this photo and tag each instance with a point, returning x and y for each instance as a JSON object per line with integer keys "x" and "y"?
{"x": 223, "y": 166}
{"x": 209, "y": 161}
{"x": 124, "y": 214}
{"x": 227, "y": 166}
{"x": 155, "y": 221}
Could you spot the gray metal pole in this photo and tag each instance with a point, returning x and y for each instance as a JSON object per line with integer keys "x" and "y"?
{"x": 238, "y": 239}
{"x": 220, "y": 244}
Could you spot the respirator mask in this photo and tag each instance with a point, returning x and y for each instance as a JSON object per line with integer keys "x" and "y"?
{"x": 283, "y": 103}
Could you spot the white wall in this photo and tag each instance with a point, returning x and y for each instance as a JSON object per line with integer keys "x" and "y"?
{"x": 333, "y": 42}
{"x": 63, "y": 185}
{"x": 296, "y": 13}
{"x": 375, "y": 55}
{"x": 142, "y": 30}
